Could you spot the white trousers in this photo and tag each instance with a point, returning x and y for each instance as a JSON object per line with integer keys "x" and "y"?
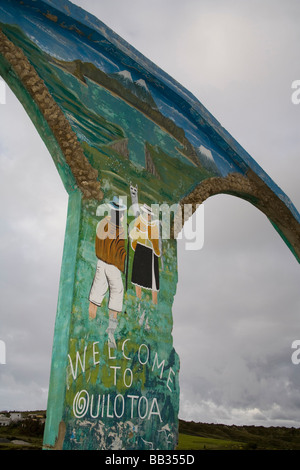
{"x": 107, "y": 277}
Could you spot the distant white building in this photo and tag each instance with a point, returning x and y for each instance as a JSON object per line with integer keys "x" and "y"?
{"x": 15, "y": 416}
{"x": 4, "y": 420}
{"x": 12, "y": 418}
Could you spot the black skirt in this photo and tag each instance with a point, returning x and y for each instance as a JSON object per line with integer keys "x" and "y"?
{"x": 145, "y": 268}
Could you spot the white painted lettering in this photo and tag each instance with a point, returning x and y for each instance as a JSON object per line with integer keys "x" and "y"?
{"x": 147, "y": 354}
{"x": 161, "y": 365}
{"x": 130, "y": 379}
{"x": 169, "y": 378}
{"x": 115, "y": 374}
{"x": 157, "y": 412}
{"x": 133, "y": 397}
{"x": 123, "y": 349}
{"x": 122, "y": 406}
{"x": 95, "y": 353}
{"x": 78, "y": 360}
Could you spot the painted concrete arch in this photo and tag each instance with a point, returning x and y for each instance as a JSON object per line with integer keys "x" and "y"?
{"x": 121, "y": 133}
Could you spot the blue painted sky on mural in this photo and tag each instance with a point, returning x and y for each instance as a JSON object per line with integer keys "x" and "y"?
{"x": 234, "y": 324}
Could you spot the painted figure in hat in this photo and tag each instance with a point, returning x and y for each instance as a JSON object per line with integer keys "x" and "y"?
{"x": 146, "y": 245}
{"x": 111, "y": 254}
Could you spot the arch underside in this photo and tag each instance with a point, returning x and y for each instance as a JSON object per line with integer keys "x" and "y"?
{"x": 252, "y": 189}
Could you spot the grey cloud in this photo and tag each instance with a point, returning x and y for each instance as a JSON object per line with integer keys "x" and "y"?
{"x": 33, "y": 212}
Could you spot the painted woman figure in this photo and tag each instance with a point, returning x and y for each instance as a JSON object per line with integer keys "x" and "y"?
{"x": 145, "y": 243}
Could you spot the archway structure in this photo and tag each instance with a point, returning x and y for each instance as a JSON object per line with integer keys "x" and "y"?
{"x": 126, "y": 140}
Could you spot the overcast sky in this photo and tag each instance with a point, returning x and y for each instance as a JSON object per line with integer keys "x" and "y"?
{"x": 236, "y": 312}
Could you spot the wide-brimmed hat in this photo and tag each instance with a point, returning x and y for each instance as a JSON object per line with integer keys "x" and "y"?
{"x": 146, "y": 209}
{"x": 117, "y": 205}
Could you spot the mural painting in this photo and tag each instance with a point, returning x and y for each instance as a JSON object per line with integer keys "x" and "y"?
{"x": 132, "y": 148}
{"x": 122, "y": 375}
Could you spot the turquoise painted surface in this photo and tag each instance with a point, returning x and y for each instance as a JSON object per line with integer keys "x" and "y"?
{"x": 57, "y": 389}
{"x": 125, "y": 397}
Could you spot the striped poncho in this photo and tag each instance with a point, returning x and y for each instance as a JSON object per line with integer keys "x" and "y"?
{"x": 110, "y": 243}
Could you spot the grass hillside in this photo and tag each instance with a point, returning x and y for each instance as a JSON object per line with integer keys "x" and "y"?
{"x": 28, "y": 435}
{"x": 201, "y": 436}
